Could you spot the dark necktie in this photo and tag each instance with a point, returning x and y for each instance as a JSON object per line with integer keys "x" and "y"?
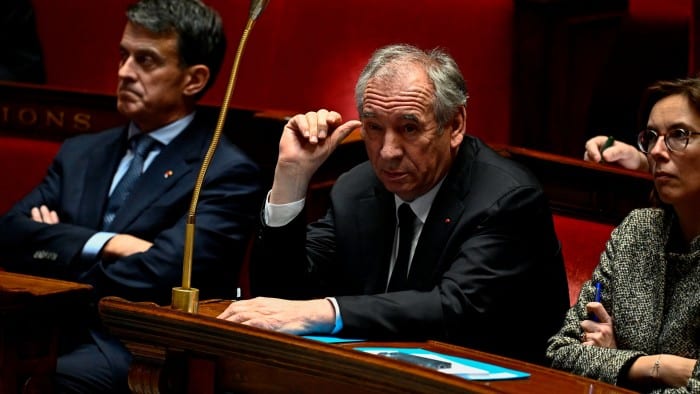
{"x": 406, "y": 224}
{"x": 140, "y": 145}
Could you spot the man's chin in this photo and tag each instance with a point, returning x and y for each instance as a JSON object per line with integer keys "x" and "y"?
{"x": 128, "y": 108}
{"x": 402, "y": 190}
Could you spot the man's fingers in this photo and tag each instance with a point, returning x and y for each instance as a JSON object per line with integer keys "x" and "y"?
{"x": 324, "y": 121}
{"x": 311, "y": 131}
{"x": 227, "y": 312}
{"x": 318, "y": 125}
{"x": 53, "y": 217}
{"x": 298, "y": 124}
{"x": 237, "y": 307}
{"x": 345, "y": 129}
{"x": 242, "y": 317}
{"x": 48, "y": 216}
{"x": 43, "y": 214}
{"x": 36, "y": 215}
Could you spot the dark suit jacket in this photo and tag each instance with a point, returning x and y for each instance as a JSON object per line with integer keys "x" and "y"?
{"x": 487, "y": 271}
{"x": 77, "y": 184}
{"x": 76, "y": 187}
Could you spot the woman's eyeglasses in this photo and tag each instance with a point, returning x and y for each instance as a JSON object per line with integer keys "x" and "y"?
{"x": 675, "y": 140}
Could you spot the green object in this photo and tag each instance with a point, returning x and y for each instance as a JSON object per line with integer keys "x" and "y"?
{"x": 608, "y": 143}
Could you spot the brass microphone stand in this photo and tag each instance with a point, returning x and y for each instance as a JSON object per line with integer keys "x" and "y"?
{"x": 186, "y": 298}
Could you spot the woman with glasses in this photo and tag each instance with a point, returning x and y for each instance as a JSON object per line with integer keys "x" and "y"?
{"x": 644, "y": 331}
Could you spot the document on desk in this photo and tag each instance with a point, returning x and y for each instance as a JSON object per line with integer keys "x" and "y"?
{"x": 332, "y": 339}
{"x": 457, "y": 366}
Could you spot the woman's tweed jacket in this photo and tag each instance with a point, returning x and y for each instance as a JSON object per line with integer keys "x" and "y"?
{"x": 652, "y": 294}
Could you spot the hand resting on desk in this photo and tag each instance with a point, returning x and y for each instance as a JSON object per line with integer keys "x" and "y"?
{"x": 291, "y": 317}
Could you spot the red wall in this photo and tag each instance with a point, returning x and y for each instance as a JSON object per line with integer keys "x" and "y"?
{"x": 666, "y": 10}
{"x": 304, "y": 54}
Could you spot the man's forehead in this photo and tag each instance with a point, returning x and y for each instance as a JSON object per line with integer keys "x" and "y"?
{"x": 409, "y": 116}
{"x": 139, "y": 39}
{"x": 411, "y": 100}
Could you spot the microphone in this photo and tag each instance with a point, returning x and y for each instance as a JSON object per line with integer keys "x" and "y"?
{"x": 186, "y": 298}
{"x": 257, "y": 7}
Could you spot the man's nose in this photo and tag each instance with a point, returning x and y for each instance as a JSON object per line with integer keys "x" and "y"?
{"x": 126, "y": 68}
{"x": 392, "y": 145}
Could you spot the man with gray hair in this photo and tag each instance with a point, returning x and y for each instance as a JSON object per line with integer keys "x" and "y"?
{"x": 435, "y": 237}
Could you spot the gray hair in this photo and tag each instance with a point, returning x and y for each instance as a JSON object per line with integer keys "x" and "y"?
{"x": 448, "y": 83}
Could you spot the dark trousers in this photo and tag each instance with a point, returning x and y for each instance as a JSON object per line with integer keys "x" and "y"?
{"x": 92, "y": 363}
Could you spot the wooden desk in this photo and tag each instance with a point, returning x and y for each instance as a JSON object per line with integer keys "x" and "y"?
{"x": 32, "y": 310}
{"x": 176, "y": 351}
{"x": 599, "y": 192}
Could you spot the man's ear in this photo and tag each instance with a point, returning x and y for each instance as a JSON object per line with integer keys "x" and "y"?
{"x": 458, "y": 127}
{"x": 197, "y": 78}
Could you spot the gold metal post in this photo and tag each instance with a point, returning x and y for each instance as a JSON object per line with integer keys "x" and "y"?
{"x": 186, "y": 298}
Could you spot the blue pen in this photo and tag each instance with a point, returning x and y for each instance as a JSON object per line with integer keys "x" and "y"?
{"x": 596, "y": 298}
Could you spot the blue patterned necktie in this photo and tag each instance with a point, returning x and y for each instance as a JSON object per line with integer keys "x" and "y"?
{"x": 399, "y": 275}
{"x": 141, "y": 145}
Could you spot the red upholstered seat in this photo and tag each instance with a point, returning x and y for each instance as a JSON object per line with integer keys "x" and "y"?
{"x": 582, "y": 243}
{"x": 23, "y": 163}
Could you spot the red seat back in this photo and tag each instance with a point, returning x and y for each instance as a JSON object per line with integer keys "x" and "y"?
{"x": 582, "y": 243}
{"x": 23, "y": 163}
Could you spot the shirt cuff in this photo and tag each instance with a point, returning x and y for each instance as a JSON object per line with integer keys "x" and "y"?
{"x": 94, "y": 245}
{"x": 278, "y": 215}
{"x": 338, "y": 318}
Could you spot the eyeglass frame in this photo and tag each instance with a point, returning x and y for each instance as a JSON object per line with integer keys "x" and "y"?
{"x": 686, "y": 134}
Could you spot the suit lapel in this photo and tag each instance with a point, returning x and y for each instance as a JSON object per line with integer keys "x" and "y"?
{"x": 444, "y": 215}
{"x": 170, "y": 169}
{"x": 439, "y": 225}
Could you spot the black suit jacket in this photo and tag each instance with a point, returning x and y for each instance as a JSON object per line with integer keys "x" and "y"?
{"x": 487, "y": 272}
{"x": 76, "y": 187}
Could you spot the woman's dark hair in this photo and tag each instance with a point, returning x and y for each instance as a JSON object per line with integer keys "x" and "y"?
{"x": 687, "y": 87}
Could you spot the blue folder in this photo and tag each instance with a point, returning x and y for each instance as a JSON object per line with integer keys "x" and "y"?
{"x": 461, "y": 367}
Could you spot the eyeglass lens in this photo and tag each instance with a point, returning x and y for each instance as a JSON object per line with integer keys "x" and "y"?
{"x": 674, "y": 140}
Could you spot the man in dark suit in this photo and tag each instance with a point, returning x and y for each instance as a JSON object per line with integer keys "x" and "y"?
{"x": 486, "y": 269}
{"x": 85, "y": 223}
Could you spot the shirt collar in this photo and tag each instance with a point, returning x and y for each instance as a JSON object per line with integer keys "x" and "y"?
{"x": 421, "y": 205}
{"x": 167, "y": 133}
